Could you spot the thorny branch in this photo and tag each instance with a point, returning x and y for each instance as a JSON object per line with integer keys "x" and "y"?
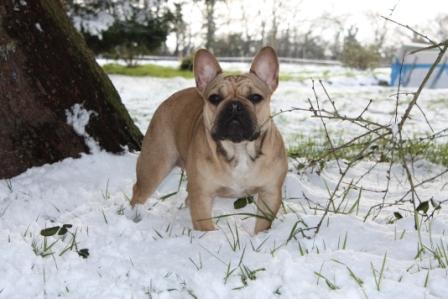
{"x": 379, "y": 143}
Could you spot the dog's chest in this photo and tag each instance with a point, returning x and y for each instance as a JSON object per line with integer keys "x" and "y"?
{"x": 242, "y": 163}
{"x": 242, "y": 176}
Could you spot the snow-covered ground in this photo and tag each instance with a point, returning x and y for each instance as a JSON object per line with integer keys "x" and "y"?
{"x": 142, "y": 95}
{"x": 153, "y": 253}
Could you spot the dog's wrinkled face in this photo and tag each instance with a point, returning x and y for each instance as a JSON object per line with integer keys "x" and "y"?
{"x": 237, "y": 108}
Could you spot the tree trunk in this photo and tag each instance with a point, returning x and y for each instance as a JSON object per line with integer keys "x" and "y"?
{"x": 45, "y": 70}
{"x": 210, "y": 25}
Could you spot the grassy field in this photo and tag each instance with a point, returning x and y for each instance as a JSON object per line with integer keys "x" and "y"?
{"x": 152, "y": 70}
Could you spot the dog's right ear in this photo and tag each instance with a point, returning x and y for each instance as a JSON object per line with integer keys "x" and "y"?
{"x": 205, "y": 68}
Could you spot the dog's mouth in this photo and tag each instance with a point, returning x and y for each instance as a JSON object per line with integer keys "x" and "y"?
{"x": 235, "y": 126}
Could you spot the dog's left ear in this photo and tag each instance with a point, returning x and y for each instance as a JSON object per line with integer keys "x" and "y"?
{"x": 265, "y": 66}
{"x": 205, "y": 68}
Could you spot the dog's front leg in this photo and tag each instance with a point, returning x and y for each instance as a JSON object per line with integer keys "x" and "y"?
{"x": 268, "y": 203}
{"x": 201, "y": 211}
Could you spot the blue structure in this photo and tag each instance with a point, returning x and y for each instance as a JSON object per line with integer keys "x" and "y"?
{"x": 415, "y": 67}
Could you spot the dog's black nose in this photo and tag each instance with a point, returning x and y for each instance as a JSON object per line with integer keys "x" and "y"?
{"x": 235, "y": 107}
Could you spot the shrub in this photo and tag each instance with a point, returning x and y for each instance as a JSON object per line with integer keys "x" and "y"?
{"x": 361, "y": 57}
{"x": 356, "y": 55}
{"x": 186, "y": 64}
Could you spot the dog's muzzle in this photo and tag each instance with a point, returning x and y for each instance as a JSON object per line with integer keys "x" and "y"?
{"x": 234, "y": 123}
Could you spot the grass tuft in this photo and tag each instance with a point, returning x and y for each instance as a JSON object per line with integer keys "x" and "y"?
{"x": 317, "y": 151}
{"x": 330, "y": 284}
{"x": 150, "y": 70}
{"x": 379, "y": 275}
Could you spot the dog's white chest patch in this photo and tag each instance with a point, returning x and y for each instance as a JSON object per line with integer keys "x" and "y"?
{"x": 242, "y": 161}
{"x": 242, "y": 167}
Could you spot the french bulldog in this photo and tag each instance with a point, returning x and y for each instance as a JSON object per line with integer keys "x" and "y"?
{"x": 222, "y": 134}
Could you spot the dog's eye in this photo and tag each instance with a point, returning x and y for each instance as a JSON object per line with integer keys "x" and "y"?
{"x": 215, "y": 99}
{"x": 255, "y": 98}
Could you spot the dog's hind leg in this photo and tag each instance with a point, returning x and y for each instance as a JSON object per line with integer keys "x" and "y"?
{"x": 157, "y": 159}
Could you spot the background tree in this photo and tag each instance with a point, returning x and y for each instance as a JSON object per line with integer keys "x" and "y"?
{"x": 441, "y": 27}
{"x": 179, "y": 29}
{"x": 210, "y": 24}
{"x": 230, "y": 45}
{"x": 48, "y": 77}
{"x": 356, "y": 55}
{"x": 123, "y": 29}
{"x": 130, "y": 38}
{"x": 276, "y": 19}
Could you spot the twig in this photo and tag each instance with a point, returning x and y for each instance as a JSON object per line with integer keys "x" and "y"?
{"x": 411, "y": 29}
{"x": 420, "y": 88}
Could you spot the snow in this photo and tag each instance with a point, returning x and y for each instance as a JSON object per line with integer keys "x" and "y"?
{"x": 94, "y": 24}
{"x": 78, "y": 118}
{"x": 38, "y": 27}
{"x": 152, "y": 252}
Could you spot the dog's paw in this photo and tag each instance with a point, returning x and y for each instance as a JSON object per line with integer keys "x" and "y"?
{"x": 134, "y": 213}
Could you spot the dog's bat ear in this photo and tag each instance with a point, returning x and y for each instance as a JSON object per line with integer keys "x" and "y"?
{"x": 205, "y": 68}
{"x": 265, "y": 66}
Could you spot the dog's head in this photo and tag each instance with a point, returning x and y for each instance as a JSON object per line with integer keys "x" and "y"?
{"x": 237, "y": 108}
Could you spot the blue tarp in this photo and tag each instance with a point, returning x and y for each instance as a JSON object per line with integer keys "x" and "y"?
{"x": 408, "y": 68}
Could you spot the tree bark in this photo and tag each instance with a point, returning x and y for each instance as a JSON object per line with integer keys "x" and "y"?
{"x": 45, "y": 69}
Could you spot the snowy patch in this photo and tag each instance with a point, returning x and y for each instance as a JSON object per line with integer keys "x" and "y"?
{"x": 152, "y": 250}
{"x": 395, "y": 129}
{"x": 142, "y": 96}
{"x": 78, "y": 118}
{"x": 38, "y": 27}
{"x": 94, "y": 25}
